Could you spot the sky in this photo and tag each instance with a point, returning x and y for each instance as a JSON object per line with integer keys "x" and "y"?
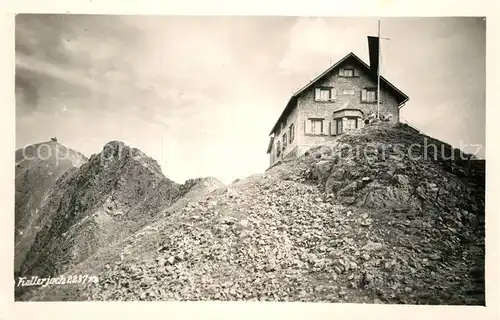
{"x": 200, "y": 94}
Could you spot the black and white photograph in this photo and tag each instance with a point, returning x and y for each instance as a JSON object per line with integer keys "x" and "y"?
{"x": 314, "y": 159}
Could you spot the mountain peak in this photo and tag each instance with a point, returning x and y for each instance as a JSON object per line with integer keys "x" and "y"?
{"x": 117, "y": 153}
{"x": 115, "y": 144}
{"x": 49, "y": 151}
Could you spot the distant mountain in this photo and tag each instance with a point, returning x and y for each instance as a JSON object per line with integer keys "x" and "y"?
{"x": 38, "y": 167}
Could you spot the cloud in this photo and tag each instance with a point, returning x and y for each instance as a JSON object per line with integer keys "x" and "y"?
{"x": 308, "y": 42}
{"x": 26, "y": 93}
{"x": 314, "y": 43}
{"x": 57, "y": 71}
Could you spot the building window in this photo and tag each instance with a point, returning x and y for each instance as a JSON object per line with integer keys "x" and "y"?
{"x": 351, "y": 124}
{"x": 325, "y": 94}
{"x": 322, "y": 94}
{"x": 348, "y": 91}
{"x": 369, "y": 95}
{"x": 316, "y": 126}
{"x": 346, "y": 72}
{"x": 278, "y": 148}
{"x": 291, "y": 133}
{"x": 284, "y": 141}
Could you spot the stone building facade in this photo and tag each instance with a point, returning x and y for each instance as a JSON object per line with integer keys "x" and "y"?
{"x": 343, "y": 98}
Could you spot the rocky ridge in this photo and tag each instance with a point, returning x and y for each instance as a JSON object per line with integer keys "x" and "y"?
{"x": 96, "y": 204}
{"x": 116, "y": 193}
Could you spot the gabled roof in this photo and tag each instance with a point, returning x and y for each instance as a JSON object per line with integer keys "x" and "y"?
{"x": 401, "y": 98}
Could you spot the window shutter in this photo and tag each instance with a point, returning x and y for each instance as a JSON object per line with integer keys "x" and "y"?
{"x": 338, "y": 126}
{"x": 325, "y": 127}
{"x": 356, "y": 72}
{"x": 341, "y": 72}
{"x": 307, "y": 127}
{"x": 317, "y": 94}
{"x": 363, "y": 95}
{"x": 333, "y": 94}
{"x": 332, "y": 127}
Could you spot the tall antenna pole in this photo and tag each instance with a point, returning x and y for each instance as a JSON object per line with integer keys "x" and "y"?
{"x": 378, "y": 72}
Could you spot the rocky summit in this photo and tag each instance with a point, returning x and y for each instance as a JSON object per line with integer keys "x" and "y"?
{"x": 375, "y": 217}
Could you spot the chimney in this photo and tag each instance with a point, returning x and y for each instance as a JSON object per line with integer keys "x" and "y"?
{"x": 373, "y": 49}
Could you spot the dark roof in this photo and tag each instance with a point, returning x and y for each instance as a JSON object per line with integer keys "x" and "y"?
{"x": 401, "y": 98}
